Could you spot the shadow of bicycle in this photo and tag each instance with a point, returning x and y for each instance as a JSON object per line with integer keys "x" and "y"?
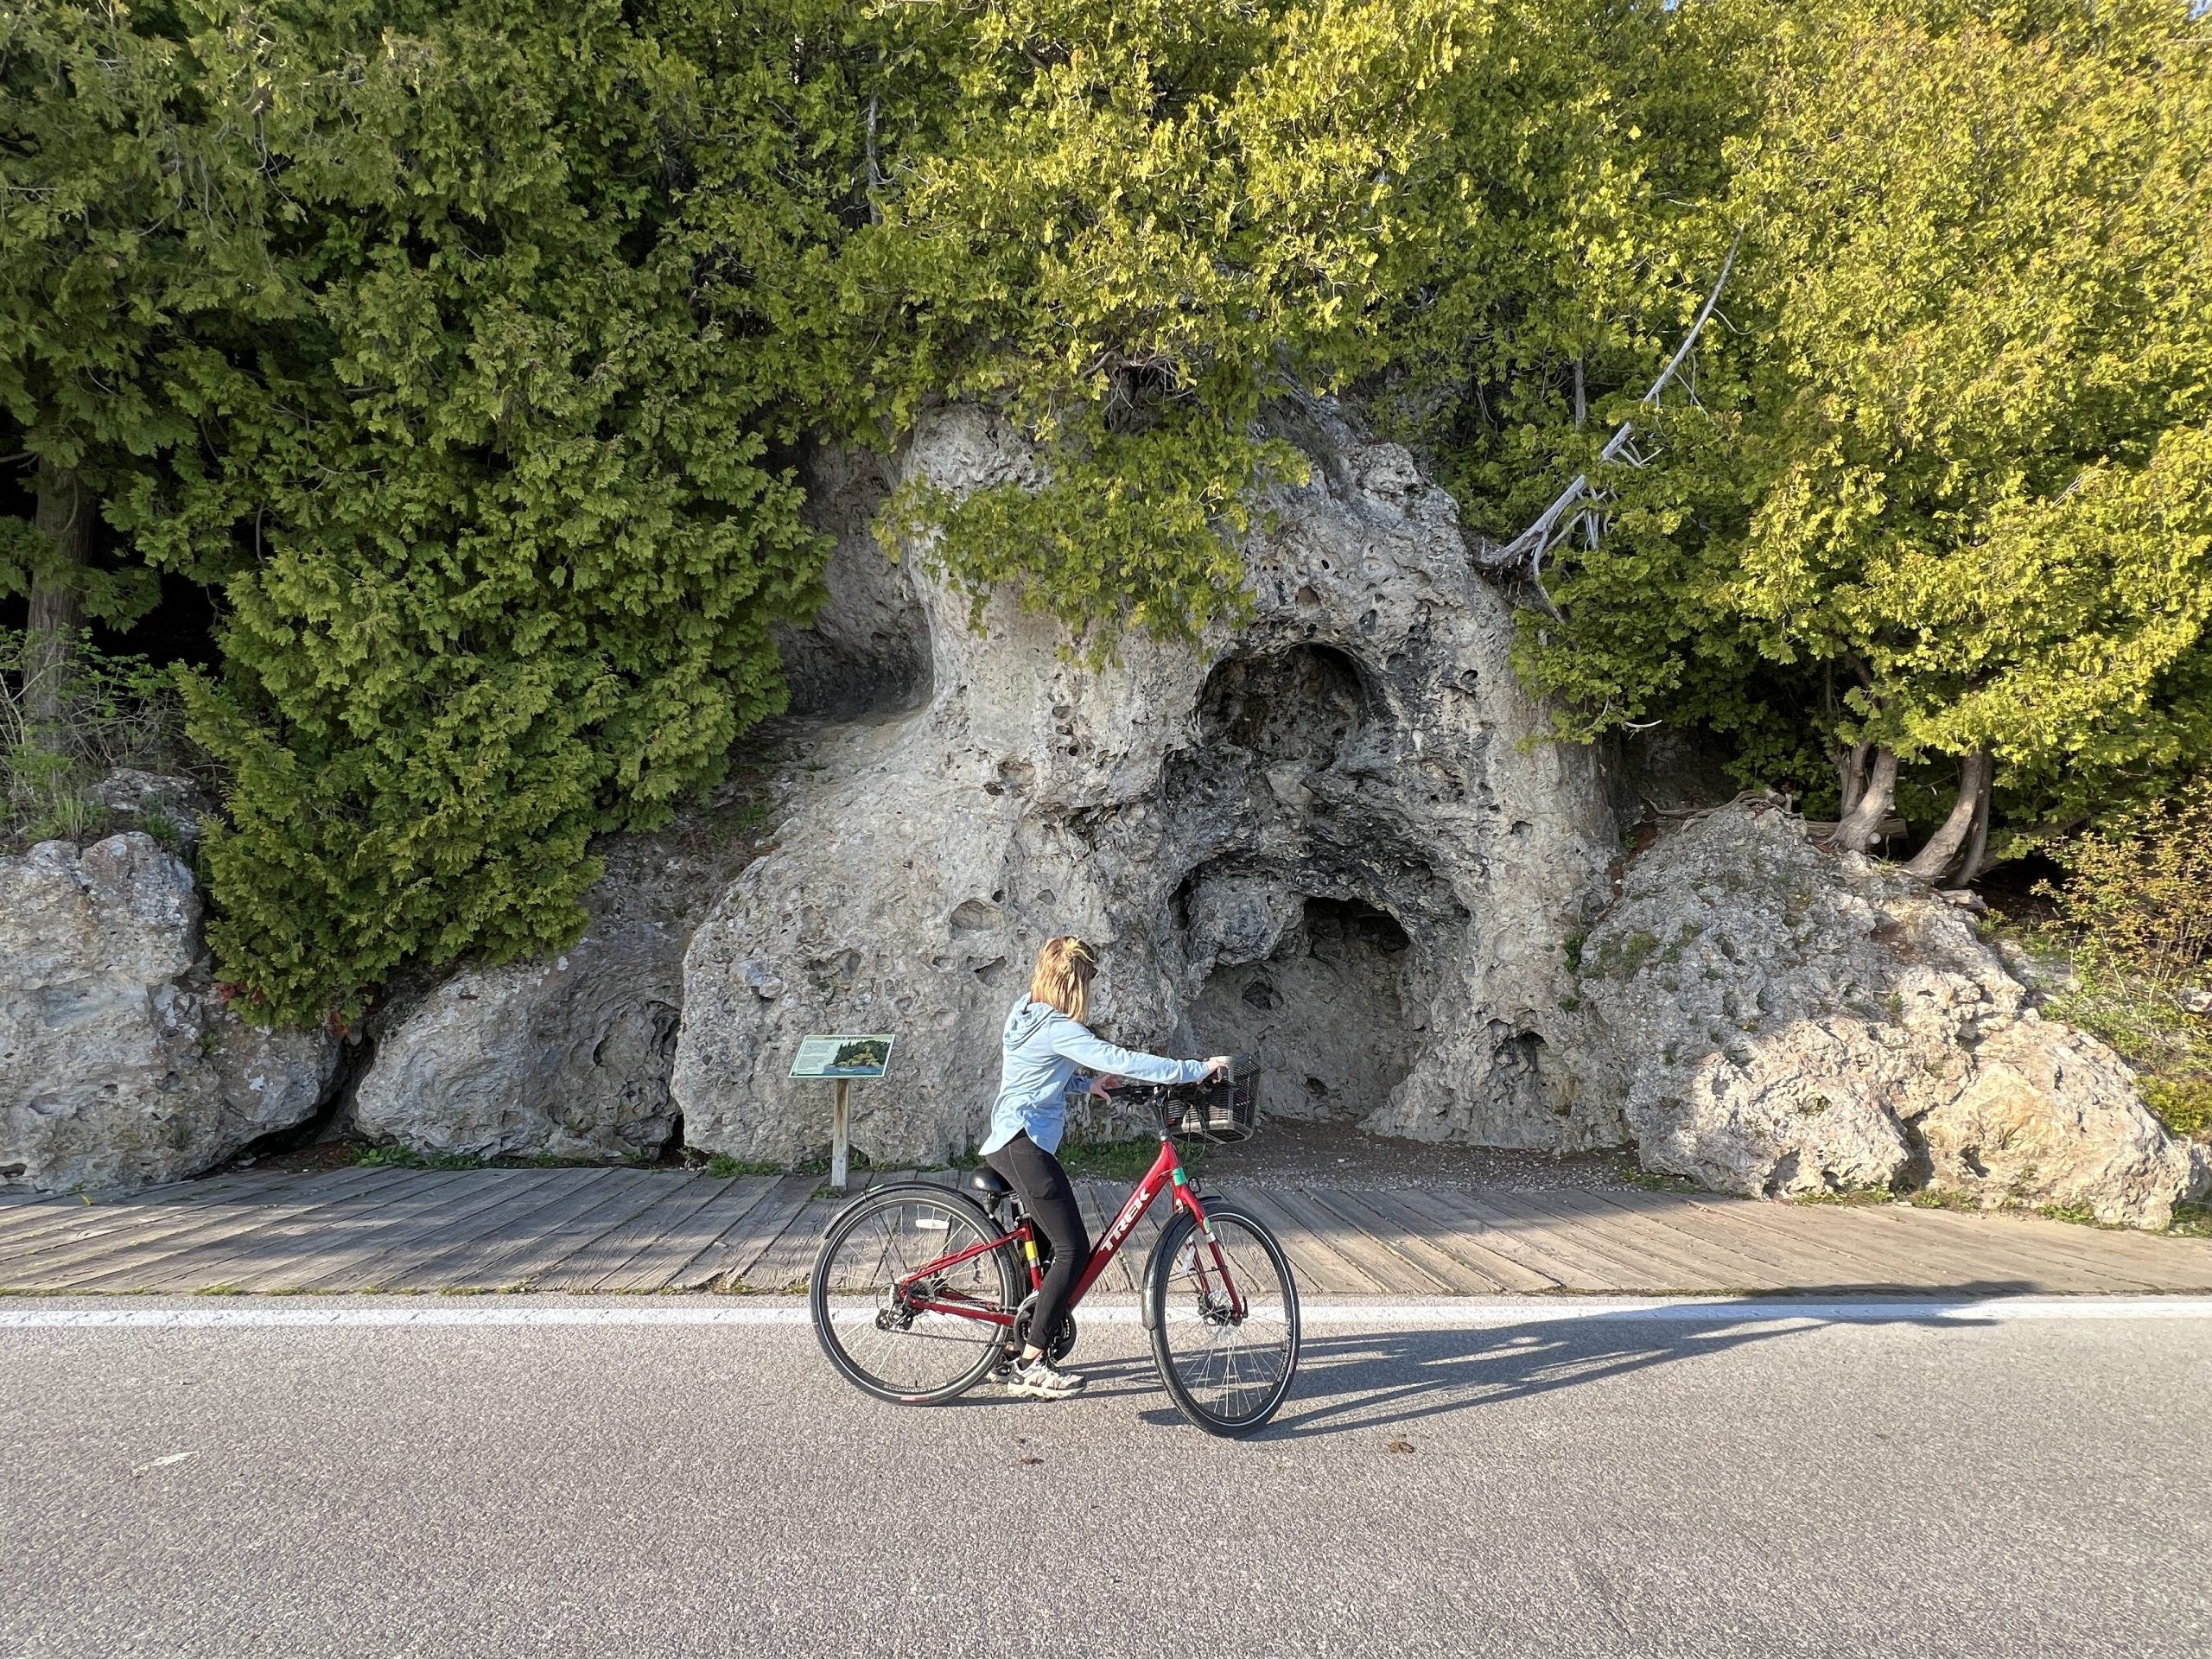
{"x": 1358, "y": 1381}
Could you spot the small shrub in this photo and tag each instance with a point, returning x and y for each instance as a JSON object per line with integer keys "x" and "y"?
{"x": 2135, "y": 892}
{"x": 2080, "y": 1214}
{"x": 120, "y": 711}
{"x": 2184, "y": 1104}
{"x": 2135, "y": 918}
{"x": 1620, "y": 958}
{"x": 724, "y": 1167}
{"x": 1944, "y": 1198}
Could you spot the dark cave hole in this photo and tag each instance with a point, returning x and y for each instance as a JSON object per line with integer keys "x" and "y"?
{"x": 1323, "y": 1013}
{"x": 1297, "y": 705}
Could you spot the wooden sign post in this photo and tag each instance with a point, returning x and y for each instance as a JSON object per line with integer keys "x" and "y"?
{"x": 840, "y": 1060}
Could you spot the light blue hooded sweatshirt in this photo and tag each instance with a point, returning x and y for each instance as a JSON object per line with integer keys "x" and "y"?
{"x": 1043, "y": 1049}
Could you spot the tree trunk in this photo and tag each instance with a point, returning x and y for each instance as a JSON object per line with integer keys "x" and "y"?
{"x": 57, "y": 608}
{"x": 1930, "y": 863}
{"x": 1851, "y": 777}
{"x": 1856, "y": 833}
{"x": 1978, "y": 846}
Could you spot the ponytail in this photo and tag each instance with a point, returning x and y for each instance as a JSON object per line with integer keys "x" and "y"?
{"x": 1063, "y": 977}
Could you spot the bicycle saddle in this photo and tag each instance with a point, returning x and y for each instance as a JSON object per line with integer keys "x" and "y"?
{"x": 989, "y": 1182}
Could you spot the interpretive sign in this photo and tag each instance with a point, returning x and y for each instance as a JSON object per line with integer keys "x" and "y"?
{"x": 842, "y": 1057}
{"x": 839, "y": 1059}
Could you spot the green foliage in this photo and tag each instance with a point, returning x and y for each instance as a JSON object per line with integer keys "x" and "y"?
{"x": 134, "y": 225}
{"x": 1134, "y": 532}
{"x": 2135, "y": 917}
{"x": 2184, "y": 1104}
{"x": 723, "y": 1168}
{"x": 398, "y": 1157}
{"x": 479, "y": 462}
{"x": 459, "y": 347}
{"x": 124, "y": 711}
{"x": 1957, "y": 484}
{"x": 2139, "y": 892}
{"x": 1128, "y": 226}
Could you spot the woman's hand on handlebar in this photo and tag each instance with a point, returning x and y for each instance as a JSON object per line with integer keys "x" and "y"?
{"x": 1103, "y": 1088}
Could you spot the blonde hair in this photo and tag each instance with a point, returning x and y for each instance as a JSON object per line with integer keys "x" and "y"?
{"x": 1063, "y": 977}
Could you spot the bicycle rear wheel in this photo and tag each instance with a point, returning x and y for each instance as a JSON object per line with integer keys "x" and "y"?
{"x": 875, "y": 1334}
{"x": 1228, "y": 1372}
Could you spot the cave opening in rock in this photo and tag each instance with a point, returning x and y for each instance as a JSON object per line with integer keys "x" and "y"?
{"x": 1295, "y": 706}
{"x": 1323, "y": 1012}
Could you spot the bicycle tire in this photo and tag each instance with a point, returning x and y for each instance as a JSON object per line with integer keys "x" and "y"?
{"x": 1258, "y": 1400}
{"x": 992, "y": 1272}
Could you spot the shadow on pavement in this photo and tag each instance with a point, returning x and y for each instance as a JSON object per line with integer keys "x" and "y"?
{"x": 1363, "y": 1381}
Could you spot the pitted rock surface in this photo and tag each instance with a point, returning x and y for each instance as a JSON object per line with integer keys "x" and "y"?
{"x": 1319, "y": 838}
{"x": 1776, "y": 1019}
{"x": 566, "y": 1056}
{"x": 119, "y": 1063}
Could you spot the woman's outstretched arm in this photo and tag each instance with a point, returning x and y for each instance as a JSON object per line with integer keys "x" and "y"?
{"x": 1093, "y": 1053}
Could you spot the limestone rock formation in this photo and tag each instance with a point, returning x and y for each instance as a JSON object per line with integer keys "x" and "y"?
{"x": 2052, "y": 1117}
{"x": 1773, "y": 1017}
{"x": 567, "y": 1056}
{"x": 150, "y": 800}
{"x": 1319, "y": 838}
{"x": 119, "y": 1064}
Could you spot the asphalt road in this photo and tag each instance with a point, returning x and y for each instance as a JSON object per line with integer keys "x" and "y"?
{"x": 1717, "y": 1485}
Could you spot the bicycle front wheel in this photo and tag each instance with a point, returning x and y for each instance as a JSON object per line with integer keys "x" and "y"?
{"x": 1229, "y": 1371}
{"x": 895, "y": 1312}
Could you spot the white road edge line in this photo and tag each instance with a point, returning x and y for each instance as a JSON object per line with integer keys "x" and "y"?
{"x": 1372, "y": 1314}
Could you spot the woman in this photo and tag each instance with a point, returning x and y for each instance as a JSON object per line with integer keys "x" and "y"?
{"x": 1046, "y": 1042}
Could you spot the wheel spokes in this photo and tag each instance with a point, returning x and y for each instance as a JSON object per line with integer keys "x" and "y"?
{"x": 1231, "y": 1366}
{"x": 905, "y": 1349}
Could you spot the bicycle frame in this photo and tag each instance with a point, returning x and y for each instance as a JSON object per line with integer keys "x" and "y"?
{"x": 1164, "y": 1175}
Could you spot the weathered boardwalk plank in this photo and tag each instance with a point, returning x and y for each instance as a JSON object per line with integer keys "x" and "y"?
{"x": 1461, "y": 1233}
{"x": 19, "y": 1228}
{"x": 1983, "y": 1256}
{"x": 1545, "y": 1248}
{"x": 657, "y": 1264}
{"x": 389, "y": 1240}
{"x": 66, "y": 1260}
{"x": 1689, "y": 1262}
{"x": 788, "y": 1263}
{"x": 276, "y": 1228}
{"x": 1387, "y": 1268}
{"x": 365, "y": 1228}
{"x": 1734, "y": 1225}
{"x": 1317, "y": 1265}
{"x": 160, "y": 1210}
{"x": 1902, "y": 1253}
{"x": 673, "y": 1203}
{"x": 724, "y": 1262}
{"x": 1414, "y": 1236}
{"x": 1849, "y": 1258}
{"x": 531, "y": 1230}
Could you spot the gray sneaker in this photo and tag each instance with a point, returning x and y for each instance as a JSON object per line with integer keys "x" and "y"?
{"x": 1037, "y": 1380}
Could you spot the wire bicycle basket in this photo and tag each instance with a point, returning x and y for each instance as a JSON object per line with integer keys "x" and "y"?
{"x": 1224, "y": 1112}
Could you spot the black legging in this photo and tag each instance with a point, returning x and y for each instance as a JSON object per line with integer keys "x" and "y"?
{"x": 1046, "y": 1194}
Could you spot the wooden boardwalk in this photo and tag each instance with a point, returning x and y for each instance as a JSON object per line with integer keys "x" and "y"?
{"x": 605, "y": 1230}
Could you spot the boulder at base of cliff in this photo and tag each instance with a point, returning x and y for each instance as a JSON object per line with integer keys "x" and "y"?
{"x": 565, "y": 1056}
{"x": 119, "y": 1064}
{"x": 1777, "y": 1019}
{"x": 2052, "y": 1117}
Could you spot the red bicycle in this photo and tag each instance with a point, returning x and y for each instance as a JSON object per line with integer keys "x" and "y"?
{"x": 914, "y": 1291}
